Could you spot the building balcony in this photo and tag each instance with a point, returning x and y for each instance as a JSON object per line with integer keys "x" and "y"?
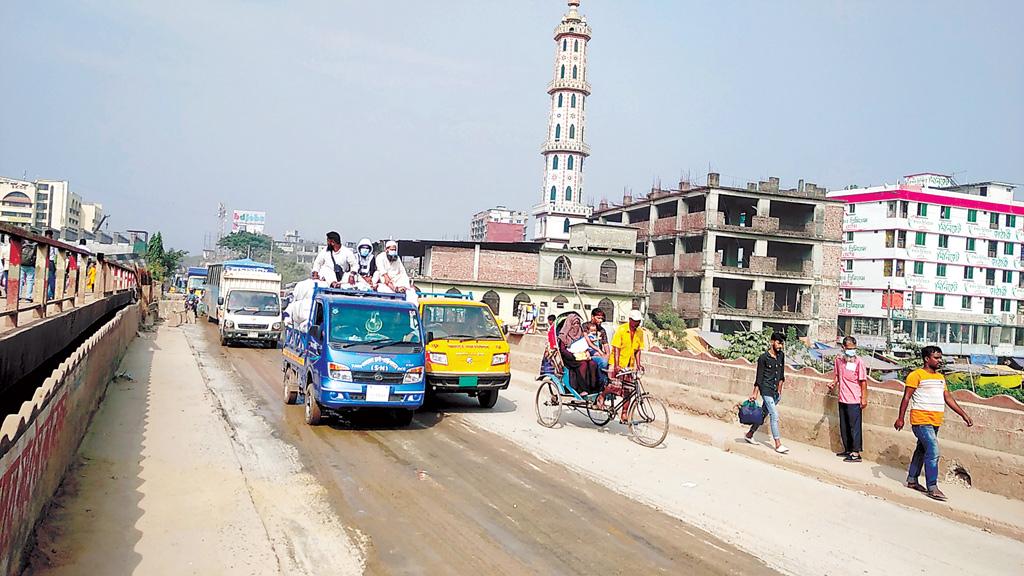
{"x": 663, "y": 264}
{"x": 660, "y": 300}
{"x": 566, "y": 146}
{"x": 766, "y": 266}
{"x": 665, "y": 226}
{"x": 692, "y": 263}
{"x": 569, "y": 84}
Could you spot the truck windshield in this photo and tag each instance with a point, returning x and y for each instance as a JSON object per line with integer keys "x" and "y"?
{"x": 353, "y": 325}
{"x": 254, "y": 303}
{"x": 460, "y": 322}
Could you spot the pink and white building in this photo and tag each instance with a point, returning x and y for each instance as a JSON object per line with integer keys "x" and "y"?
{"x": 952, "y": 256}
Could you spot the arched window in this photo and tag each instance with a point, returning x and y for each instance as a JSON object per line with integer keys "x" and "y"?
{"x": 609, "y": 272}
{"x": 492, "y": 300}
{"x": 453, "y": 291}
{"x": 554, "y": 194}
{"x": 562, "y": 74}
{"x": 558, "y": 131}
{"x": 569, "y": 163}
{"x": 575, "y": 45}
{"x": 554, "y": 163}
{"x": 568, "y": 198}
{"x": 572, "y": 131}
{"x": 574, "y": 72}
{"x": 565, "y": 226}
{"x": 521, "y": 299}
{"x": 572, "y": 101}
{"x": 565, "y": 45}
{"x": 560, "y": 301}
{"x": 560, "y": 101}
{"x": 608, "y": 307}
{"x": 16, "y": 198}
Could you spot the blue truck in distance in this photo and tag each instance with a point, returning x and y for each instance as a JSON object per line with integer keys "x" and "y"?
{"x": 357, "y": 351}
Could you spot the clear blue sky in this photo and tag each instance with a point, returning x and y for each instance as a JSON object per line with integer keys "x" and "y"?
{"x": 403, "y": 117}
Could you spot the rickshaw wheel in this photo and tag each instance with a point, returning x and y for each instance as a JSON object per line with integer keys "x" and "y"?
{"x": 549, "y": 404}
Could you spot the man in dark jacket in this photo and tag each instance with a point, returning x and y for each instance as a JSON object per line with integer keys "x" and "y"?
{"x": 771, "y": 376}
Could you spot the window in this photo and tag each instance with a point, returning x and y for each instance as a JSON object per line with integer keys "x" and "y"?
{"x": 561, "y": 75}
{"x": 943, "y": 241}
{"x": 940, "y": 300}
{"x": 568, "y": 196}
{"x": 574, "y": 72}
{"x": 904, "y": 208}
{"x": 1008, "y": 248}
{"x": 890, "y": 238}
{"x": 849, "y": 237}
{"x": 940, "y": 270}
{"x": 849, "y": 265}
{"x": 558, "y": 131}
{"x": 901, "y": 239}
{"x": 572, "y": 101}
{"x": 970, "y": 244}
{"x": 1011, "y": 220}
{"x": 562, "y": 265}
{"x": 890, "y": 209}
{"x": 852, "y": 207}
{"x": 920, "y": 238}
{"x": 554, "y": 162}
{"x": 900, "y": 267}
{"x": 919, "y": 268}
{"x": 572, "y": 131}
{"x": 609, "y": 272}
{"x": 965, "y": 302}
{"x": 1004, "y": 305}
{"x": 565, "y": 44}
{"x": 990, "y": 277}
{"x": 993, "y": 221}
{"x": 993, "y": 248}
{"x": 565, "y": 226}
{"x": 989, "y": 305}
{"x": 968, "y": 273}
{"x": 575, "y": 45}
{"x": 521, "y": 299}
{"x": 569, "y": 163}
{"x": 918, "y": 298}
{"x": 972, "y": 216}
{"x": 944, "y": 212}
{"x": 846, "y": 295}
{"x": 554, "y": 193}
{"x": 560, "y": 301}
{"x": 559, "y": 100}
{"x": 1008, "y": 276}
{"x": 983, "y": 190}
{"x": 887, "y": 268}
{"x": 922, "y": 209}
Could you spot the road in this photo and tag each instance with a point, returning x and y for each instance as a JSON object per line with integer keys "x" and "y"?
{"x": 445, "y": 497}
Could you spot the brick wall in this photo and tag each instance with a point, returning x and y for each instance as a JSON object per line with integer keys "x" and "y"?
{"x": 448, "y": 263}
{"x": 660, "y": 264}
{"x": 665, "y": 226}
{"x": 765, "y": 224}
{"x": 688, "y": 304}
{"x": 828, "y": 312}
{"x": 691, "y": 262}
{"x": 831, "y": 264}
{"x": 507, "y": 267}
{"x": 763, "y": 265}
{"x": 833, "y": 228}
{"x": 693, "y": 221}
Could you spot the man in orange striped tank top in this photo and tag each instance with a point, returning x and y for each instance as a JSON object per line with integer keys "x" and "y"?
{"x": 927, "y": 396}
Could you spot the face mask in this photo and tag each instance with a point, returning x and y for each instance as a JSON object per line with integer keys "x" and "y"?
{"x": 392, "y": 255}
{"x": 364, "y": 252}
{"x": 851, "y": 353}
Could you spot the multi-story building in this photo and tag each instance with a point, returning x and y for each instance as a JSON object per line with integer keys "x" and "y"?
{"x": 499, "y": 224}
{"x": 92, "y": 217}
{"x": 596, "y": 269}
{"x": 949, "y": 258}
{"x": 562, "y": 197}
{"x": 18, "y": 202}
{"x": 65, "y": 207}
{"x": 736, "y": 259}
{"x": 305, "y": 251}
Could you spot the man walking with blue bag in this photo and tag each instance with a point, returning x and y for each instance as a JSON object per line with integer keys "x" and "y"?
{"x": 771, "y": 376}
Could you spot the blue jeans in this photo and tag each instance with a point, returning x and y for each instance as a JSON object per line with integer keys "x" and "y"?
{"x": 769, "y": 406}
{"x": 925, "y": 455}
{"x": 28, "y": 282}
{"x": 602, "y": 366}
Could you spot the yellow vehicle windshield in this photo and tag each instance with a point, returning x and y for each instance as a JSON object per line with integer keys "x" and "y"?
{"x": 460, "y": 322}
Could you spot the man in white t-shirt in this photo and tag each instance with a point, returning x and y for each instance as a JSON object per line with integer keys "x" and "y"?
{"x": 336, "y": 262}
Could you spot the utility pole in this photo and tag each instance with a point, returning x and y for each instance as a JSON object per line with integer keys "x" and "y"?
{"x": 888, "y": 333}
{"x": 913, "y": 314}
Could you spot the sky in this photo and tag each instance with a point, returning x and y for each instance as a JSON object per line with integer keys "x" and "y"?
{"x": 402, "y": 118}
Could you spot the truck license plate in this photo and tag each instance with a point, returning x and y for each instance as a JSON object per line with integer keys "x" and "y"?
{"x": 254, "y": 334}
{"x": 377, "y": 393}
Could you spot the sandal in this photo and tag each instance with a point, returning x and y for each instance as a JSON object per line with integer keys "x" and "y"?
{"x": 916, "y": 486}
{"x": 937, "y": 495}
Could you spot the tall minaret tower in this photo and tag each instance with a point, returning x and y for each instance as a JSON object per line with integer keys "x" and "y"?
{"x": 562, "y": 201}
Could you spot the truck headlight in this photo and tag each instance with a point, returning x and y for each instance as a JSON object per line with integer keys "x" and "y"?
{"x": 339, "y": 372}
{"x": 413, "y": 375}
{"x": 439, "y": 358}
{"x": 229, "y": 324}
{"x": 499, "y": 359}
{"x": 277, "y": 325}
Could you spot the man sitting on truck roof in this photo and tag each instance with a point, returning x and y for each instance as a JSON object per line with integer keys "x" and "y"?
{"x": 335, "y": 262}
{"x": 391, "y": 275}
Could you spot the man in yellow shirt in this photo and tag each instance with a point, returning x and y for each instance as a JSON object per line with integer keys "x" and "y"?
{"x": 627, "y": 343}
{"x": 927, "y": 395}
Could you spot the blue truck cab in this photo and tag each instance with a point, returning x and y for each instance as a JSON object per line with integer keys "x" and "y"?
{"x": 357, "y": 351}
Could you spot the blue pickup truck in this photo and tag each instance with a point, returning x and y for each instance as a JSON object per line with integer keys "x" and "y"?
{"x": 358, "y": 351}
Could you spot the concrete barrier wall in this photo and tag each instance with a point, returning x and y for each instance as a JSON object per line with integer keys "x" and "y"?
{"x": 38, "y": 443}
{"x": 991, "y": 453}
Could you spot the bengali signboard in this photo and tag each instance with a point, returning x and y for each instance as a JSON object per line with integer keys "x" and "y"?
{"x": 248, "y": 221}
{"x": 853, "y": 223}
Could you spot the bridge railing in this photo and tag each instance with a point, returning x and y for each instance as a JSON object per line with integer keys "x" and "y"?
{"x": 41, "y": 276}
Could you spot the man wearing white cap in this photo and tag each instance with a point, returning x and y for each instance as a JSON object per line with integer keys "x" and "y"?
{"x": 391, "y": 275}
{"x": 627, "y": 343}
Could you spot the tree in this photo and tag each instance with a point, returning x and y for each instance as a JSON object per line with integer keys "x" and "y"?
{"x": 749, "y": 345}
{"x": 160, "y": 262}
{"x": 248, "y": 244}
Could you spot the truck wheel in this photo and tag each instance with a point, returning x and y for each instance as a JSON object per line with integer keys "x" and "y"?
{"x": 487, "y": 398}
{"x": 313, "y": 414}
{"x": 289, "y": 395}
{"x": 402, "y": 417}
{"x": 223, "y": 340}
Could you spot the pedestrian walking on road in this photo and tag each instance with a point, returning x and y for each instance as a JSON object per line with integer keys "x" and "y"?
{"x": 927, "y": 395}
{"x": 850, "y": 376}
{"x": 770, "y": 378}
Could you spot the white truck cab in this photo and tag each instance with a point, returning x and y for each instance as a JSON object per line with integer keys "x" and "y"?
{"x": 244, "y": 298}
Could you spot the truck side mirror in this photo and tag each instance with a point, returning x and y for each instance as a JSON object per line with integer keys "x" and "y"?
{"x": 430, "y": 337}
{"x": 316, "y": 331}
{"x": 504, "y": 329}
{"x": 220, "y": 301}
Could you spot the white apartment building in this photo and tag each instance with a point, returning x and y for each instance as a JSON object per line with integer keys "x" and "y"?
{"x": 478, "y": 227}
{"x": 92, "y": 216}
{"x": 952, "y": 256}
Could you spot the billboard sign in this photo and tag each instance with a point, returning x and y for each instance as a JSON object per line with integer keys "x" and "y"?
{"x": 248, "y": 221}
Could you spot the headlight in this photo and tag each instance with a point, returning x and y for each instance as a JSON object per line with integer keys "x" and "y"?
{"x": 413, "y": 375}
{"x": 438, "y": 358}
{"x": 277, "y": 325}
{"x": 499, "y": 359}
{"x": 229, "y": 324}
{"x": 339, "y": 372}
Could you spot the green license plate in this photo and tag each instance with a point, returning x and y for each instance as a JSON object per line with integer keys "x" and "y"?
{"x": 468, "y": 380}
